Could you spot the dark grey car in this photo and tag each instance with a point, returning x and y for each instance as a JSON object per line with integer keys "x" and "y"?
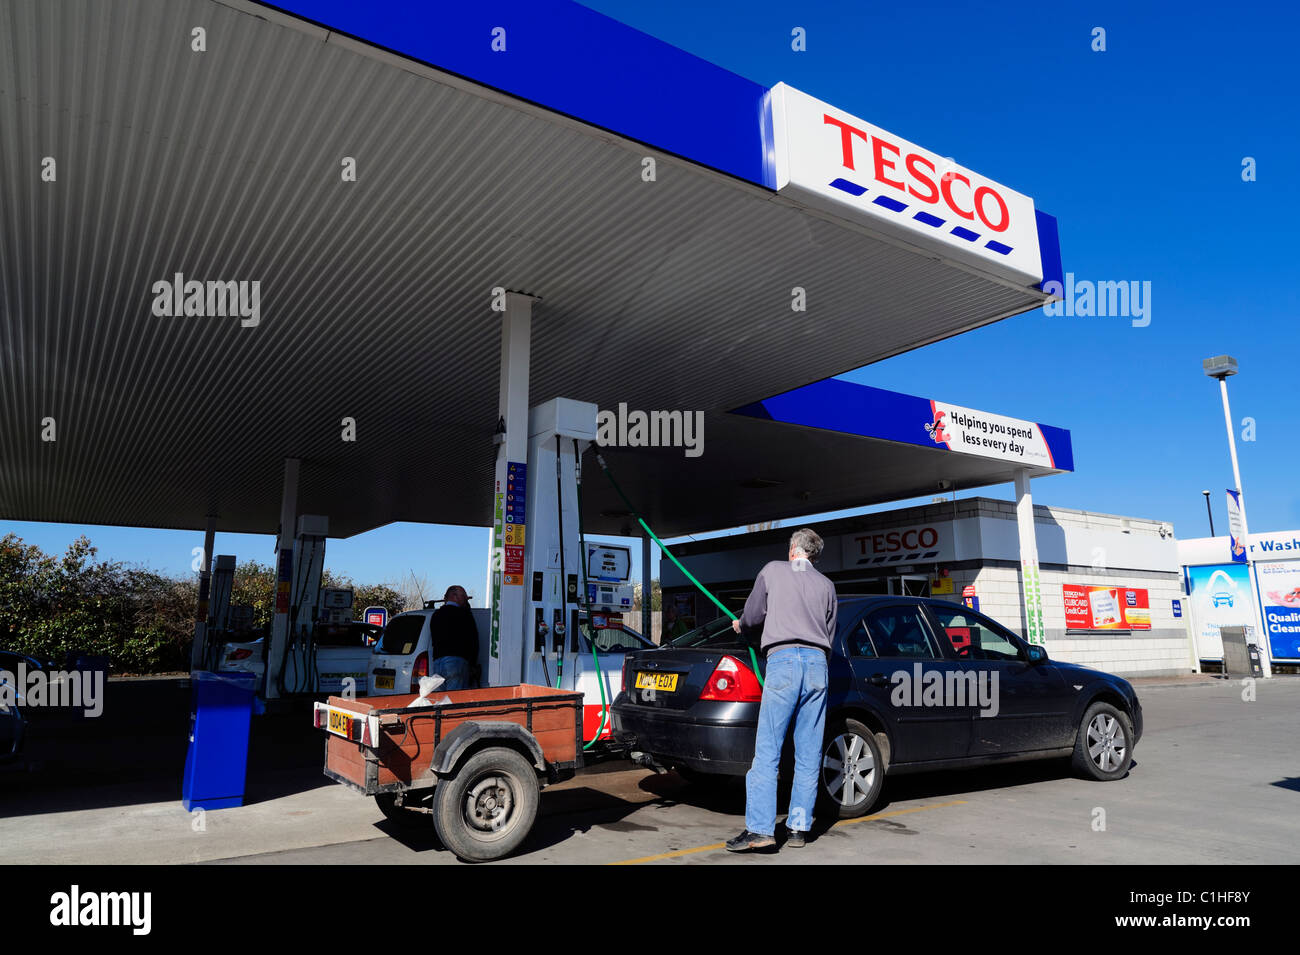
{"x": 914, "y": 684}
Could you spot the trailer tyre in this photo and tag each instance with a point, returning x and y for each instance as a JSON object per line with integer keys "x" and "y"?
{"x": 488, "y": 807}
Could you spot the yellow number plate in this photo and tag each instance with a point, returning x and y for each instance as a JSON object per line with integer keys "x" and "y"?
{"x": 657, "y": 681}
{"x": 340, "y": 724}
{"x": 383, "y": 683}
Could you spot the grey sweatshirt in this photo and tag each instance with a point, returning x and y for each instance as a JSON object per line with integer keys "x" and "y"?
{"x": 795, "y": 606}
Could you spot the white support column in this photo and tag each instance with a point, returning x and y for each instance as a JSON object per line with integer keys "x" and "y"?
{"x": 647, "y": 621}
{"x": 283, "y": 579}
{"x": 508, "y": 642}
{"x": 1030, "y": 587}
{"x": 205, "y": 591}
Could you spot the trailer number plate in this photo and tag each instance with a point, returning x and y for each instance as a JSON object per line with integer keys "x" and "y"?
{"x": 340, "y": 724}
{"x": 657, "y": 681}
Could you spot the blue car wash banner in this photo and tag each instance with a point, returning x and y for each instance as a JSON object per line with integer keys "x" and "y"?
{"x": 1279, "y": 588}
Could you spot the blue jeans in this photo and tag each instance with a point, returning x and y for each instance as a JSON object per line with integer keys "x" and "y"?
{"x": 455, "y": 670}
{"x": 795, "y": 688}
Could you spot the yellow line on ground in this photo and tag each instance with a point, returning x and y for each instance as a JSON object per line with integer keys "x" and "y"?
{"x": 842, "y": 822}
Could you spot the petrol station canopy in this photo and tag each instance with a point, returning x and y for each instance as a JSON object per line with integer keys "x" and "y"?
{"x": 483, "y": 160}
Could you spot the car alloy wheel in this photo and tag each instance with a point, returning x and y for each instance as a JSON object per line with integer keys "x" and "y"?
{"x": 1107, "y": 744}
{"x": 851, "y": 773}
{"x": 1103, "y": 747}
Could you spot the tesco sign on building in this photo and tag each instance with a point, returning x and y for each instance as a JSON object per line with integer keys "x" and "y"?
{"x": 835, "y": 161}
{"x": 895, "y": 545}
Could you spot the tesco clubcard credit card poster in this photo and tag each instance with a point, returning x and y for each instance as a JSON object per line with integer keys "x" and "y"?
{"x": 1102, "y": 607}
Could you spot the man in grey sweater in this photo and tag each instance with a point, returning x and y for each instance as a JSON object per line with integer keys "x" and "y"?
{"x": 797, "y": 607}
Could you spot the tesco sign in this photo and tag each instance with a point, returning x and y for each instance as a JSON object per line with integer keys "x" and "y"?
{"x": 892, "y": 546}
{"x": 835, "y": 161}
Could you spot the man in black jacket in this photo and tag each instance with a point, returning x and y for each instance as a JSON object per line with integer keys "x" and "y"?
{"x": 453, "y": 649}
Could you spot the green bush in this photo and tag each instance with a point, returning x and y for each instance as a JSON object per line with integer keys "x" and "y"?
{"x": 141, "y": 620}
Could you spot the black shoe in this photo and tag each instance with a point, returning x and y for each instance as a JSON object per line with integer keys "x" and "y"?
{"x": 794, "y": 839}
{"x": 750, "y": 841}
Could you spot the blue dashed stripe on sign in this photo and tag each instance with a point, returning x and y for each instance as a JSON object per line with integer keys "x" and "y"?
{"x": 893, "y": 205}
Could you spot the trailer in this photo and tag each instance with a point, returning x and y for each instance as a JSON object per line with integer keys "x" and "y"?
{"x": 475, "y": 763}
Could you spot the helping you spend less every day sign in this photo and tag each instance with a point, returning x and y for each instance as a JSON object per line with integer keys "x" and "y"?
{"x": 988, "y": 435}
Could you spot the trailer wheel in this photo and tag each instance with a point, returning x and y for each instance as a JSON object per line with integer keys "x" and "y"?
{"x": 488, "y": 807}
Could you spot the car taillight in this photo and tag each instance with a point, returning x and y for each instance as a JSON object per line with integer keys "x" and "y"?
{"x": 732, "y": 682}
{"x": 420, "y": 669}
{"x": 240, "y": 654}
{"x": 623, "y": 675}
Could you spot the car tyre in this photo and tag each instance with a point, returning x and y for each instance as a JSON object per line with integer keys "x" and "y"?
{"x": 852, "y": 772}
{"x": 487, "y": 808}
{"x": 1103, "y": 747}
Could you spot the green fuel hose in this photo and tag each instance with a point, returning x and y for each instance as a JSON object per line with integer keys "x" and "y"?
{"x": 753, "y": 658}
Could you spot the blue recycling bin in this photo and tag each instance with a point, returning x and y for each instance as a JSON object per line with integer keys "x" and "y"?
{"x": 217, "y": 761}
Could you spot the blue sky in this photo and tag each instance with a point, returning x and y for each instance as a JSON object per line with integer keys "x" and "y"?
{"x": 1137, "y": 151}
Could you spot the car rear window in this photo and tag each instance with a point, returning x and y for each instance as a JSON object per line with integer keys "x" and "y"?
{"x": 901, "y": 632}
{"x": 718, "y": 633}
{"x": 402, "y": 635}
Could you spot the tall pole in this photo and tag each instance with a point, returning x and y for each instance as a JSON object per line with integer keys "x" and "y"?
{"x": 1260, "y": 635}
{"x": 1209, "y": 513}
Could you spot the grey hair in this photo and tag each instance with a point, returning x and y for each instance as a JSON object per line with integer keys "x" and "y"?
{"x": 806, "y": 540}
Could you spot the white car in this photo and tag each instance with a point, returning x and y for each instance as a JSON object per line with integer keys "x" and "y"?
{"x": 402, "y": 657}
{"x": 340, "y": 653}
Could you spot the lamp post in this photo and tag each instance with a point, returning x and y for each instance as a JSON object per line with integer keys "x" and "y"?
{"x": 1209, "y": 513}
{"x": 1222, "y": 367}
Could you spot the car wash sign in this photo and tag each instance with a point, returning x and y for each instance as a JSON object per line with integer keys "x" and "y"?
{"x": 830, "y": 159}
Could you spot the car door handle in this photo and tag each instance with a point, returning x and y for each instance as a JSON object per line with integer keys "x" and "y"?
{"x": 878, "y": 679}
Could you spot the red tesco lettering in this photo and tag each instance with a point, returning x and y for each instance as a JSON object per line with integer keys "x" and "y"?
{"x": 892, "y": 541}
{"x": 921, "y": 176}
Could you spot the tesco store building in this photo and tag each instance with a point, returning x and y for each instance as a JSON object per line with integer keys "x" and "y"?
{"x": 1112, "y": 587}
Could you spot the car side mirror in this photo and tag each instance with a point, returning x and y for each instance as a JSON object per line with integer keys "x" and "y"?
{"x": 1037, "y": 655}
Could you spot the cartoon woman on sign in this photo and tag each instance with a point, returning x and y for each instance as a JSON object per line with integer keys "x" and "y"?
{"x": 1237, "y": 548}
{"x": 935, "y": 428}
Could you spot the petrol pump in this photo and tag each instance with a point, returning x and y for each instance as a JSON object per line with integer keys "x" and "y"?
{"x": 297, "y": 597}
{"x": 216, "y": 632}
{"x": 542, "y": 576}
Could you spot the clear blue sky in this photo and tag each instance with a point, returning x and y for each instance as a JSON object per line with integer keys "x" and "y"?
{"x": 1138, "y": 152}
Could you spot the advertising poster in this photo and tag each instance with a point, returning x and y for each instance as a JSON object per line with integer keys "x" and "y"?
{"x": 1220, "y": 597}
{"x": 1099, "y": 607}
{"x": 1279, "y": 588}
{"x": 1236, "y": 544}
